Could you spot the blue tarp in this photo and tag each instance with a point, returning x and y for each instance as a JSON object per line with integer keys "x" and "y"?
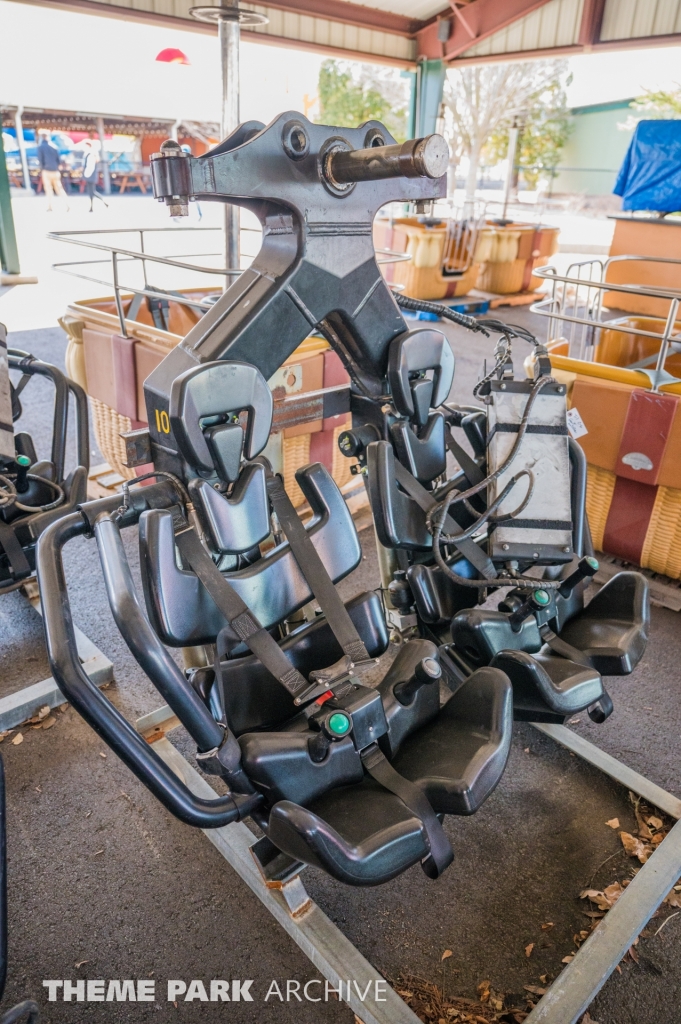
{"x": 650, "y": 175}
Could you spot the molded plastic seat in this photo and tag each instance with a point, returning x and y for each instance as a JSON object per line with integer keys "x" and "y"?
{"x": 481, "y": 633}
{"x": 612, "y": 631}
{"x": 364, "y": 835}
{"x": 436, "y": 596}
{"x": 459, "y": 757}
{"x": 548, "y": 682}
{"x": 361, "y": 835}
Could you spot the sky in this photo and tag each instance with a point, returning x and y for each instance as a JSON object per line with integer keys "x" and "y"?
{"x": 73, "y": 61}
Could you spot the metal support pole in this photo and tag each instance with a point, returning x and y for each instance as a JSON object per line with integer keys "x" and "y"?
{"x": 9, "y": 253}
{"x": 513, "y": 134}
{"x": 229, "y": 35}
{"x": 21, "y": 143}
{"x": 104, "y": 157}
{"x": 229, "y": 18}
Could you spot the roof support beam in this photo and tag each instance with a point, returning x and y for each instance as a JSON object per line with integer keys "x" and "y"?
{"x": 482, "y": 18}
{"x": 592, "y": 21}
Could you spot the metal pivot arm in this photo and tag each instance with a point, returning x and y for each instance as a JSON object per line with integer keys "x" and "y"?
{"x": 94, "y": 706}
{"x": 316, "y": 190}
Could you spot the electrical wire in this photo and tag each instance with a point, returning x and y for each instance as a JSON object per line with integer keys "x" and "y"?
{"x": 9, "y": 496}
{"x": 124, "y": 507}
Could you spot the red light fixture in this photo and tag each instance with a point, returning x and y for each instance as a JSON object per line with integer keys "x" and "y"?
{"x": 172, "y": 56}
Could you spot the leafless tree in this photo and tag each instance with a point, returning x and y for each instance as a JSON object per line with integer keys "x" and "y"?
{"x": 480, "y": 100}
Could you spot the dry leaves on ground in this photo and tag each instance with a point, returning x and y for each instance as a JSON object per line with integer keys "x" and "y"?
{"x": 432, "y": 1006}
{"x": 651, "y": 828}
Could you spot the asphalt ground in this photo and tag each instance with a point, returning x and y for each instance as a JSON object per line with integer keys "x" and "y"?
{"x": 104, "y": 883}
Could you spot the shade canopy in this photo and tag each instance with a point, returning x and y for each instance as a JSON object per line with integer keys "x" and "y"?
{"x": 404, "y": 31}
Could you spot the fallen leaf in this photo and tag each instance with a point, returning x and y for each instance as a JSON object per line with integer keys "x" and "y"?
{"x": 574, "y": 721}
{"x": 545, "y": 927}
{"x": 38, "y": 789}
{"x": 447, "y": 953}
{"x": 613, "y": 823}
{"x": 655, "y": 822}
{"x": 634, "y": 955}
{"x": 635, "y": 847}
{"x": 483, "y": 991}
{"x": 544, "y": 978}
{"x": 568, "y": 959}
{"x": 102, "y": 755}
{"x": 674, "y": 899}
{"x": 588, "y": 1019}
{"x": 529, "y": 948}
{"x": 81, "y": 962}
{"x": 19, "y": 738}
{"x": 535, "y": 990}
{"x": 88, "y": 813}
{"x": 5, "y": 734}
{"x": 41, "y": 713}
{"x": 613, "y": 892}
{"x": 527, "y": 750}
{"x": 49, "y": 722}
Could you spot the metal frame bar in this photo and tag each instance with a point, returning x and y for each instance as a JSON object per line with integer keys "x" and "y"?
{"x": 335, "y": 957}
{"x": 117, "y": 255}
{"x": 588, "y": 294}
{"x": 577, "y": 985}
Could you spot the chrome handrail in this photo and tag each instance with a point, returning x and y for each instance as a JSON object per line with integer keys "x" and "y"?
{"x": 583, "y": 307}
{"x": 118, "y": 254}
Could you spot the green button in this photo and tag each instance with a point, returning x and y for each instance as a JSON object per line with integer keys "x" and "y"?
{"x": 593, "y": 562}
{"x": 541, "y": 597}
{"x": 23, "y": 460}
{"x": 339, "y": 724}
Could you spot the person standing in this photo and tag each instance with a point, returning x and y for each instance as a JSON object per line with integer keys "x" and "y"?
{"x": 91, "y": 172}
{"x": 48, "y": 157}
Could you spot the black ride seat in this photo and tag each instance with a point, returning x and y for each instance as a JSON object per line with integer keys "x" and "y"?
{"x": 612, "y": 631}
{"x": 363, "y": 835}
{"x": 320, "y": 804}
{"x": 546, "y": 682}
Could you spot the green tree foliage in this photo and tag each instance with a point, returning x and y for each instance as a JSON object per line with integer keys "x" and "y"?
{"x": 659, "y": 104}
{"x": 350, "y": 94}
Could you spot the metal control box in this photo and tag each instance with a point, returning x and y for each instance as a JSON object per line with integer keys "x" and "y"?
{"x": 542, "y": 533}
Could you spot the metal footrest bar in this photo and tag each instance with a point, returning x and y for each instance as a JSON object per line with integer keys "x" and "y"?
{"x": 654, "y": 794}
{"x": 323, "y": 943}
{"x": 580, "y": 982}
{"x": 575, "y": 988}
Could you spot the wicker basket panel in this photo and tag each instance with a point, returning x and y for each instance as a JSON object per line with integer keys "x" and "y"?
{"x": 662, "y": 548}
{"x": 108, "y": 426}
{"x": 600, "y": 484}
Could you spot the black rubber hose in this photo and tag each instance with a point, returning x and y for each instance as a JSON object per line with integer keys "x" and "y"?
{"x": 423, "y": 306}
{"x": 95, "y": 707}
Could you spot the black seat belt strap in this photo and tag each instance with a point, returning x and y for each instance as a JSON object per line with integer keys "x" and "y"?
{"x": 314, "y": 571}
{"x": 379, "y": 768}
{"x": 468, "y": 548}
{"x": 471, "y": 469}
{"x": 238, "y": 615}
{"x": 14, "y": 551}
